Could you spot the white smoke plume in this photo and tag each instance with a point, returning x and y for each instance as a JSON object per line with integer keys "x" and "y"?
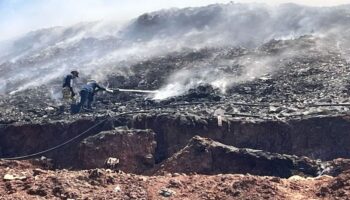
{"x": 97, "y": 49}
{"x": 208, "y": 72}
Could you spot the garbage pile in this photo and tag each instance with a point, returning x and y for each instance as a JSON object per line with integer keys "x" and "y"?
{"x": 301, "y": 75}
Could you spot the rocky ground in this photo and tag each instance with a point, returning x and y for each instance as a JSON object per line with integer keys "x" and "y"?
{"x": 280, "y": 133}
{"x": 24, "y": 180}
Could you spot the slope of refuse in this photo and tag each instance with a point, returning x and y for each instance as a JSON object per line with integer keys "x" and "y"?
{"x": 287, "y": 78}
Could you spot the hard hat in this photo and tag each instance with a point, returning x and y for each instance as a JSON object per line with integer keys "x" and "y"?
{"x": 75, "y": 73}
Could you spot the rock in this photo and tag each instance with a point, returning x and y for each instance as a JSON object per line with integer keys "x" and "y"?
{"x": 173, "y": 183}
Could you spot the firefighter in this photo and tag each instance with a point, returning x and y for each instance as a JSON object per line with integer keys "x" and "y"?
{"x": 87, "y": 94}
{"x": 67, "y": 87}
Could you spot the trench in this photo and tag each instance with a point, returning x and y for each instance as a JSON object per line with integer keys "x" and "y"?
{"x": 324, "y": 138}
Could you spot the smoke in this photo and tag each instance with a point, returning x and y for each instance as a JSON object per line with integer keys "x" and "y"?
{"x": 98, "y": 49}
{"x": 220, "y": 73}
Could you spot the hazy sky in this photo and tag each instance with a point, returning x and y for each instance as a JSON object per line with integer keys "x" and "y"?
{"x": 20, "y": 16}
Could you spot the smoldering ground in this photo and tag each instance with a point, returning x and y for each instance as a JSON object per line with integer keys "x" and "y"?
{"x": 98, "y": 49}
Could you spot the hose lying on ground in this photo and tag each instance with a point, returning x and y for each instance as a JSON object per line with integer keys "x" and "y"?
{"x": 34, "y": 155}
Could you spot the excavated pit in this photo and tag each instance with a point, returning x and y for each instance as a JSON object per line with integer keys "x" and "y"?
{"x": 144, "y": 141}
{"x": 322, "y": 138}
{"x": 24, "y": 139}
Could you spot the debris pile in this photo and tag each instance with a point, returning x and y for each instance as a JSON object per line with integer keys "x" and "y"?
{"x": 297, "y": 79}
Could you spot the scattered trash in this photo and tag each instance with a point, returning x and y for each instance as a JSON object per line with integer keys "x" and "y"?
{"x": 166, "y": 192}
{"x": 117, "y": 189}
{"x": 111, "y": 163}
{"x": 9, "y": 177}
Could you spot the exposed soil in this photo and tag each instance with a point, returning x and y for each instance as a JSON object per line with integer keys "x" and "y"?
{"x": 31, "y": 182}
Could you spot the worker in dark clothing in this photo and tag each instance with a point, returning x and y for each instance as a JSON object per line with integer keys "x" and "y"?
{"x": 87, "y": 94}
{"x": 67, "y": 87}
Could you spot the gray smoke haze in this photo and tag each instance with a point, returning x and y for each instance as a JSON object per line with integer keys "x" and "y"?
{"x": 97, "y": 49}
{"x": 223, "y": 73}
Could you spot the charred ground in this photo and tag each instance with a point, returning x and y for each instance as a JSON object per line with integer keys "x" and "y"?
{"x": 294, "y": 75}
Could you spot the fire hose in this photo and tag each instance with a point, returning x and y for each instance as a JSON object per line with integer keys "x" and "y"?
{"x": 136, "y": 91}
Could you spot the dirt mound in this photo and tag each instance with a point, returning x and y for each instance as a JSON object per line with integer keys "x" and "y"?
{"x": 133, "y": 148}
{"x": 206, "y": 156}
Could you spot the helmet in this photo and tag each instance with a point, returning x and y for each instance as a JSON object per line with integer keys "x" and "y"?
{"x": 75, "y": 73}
